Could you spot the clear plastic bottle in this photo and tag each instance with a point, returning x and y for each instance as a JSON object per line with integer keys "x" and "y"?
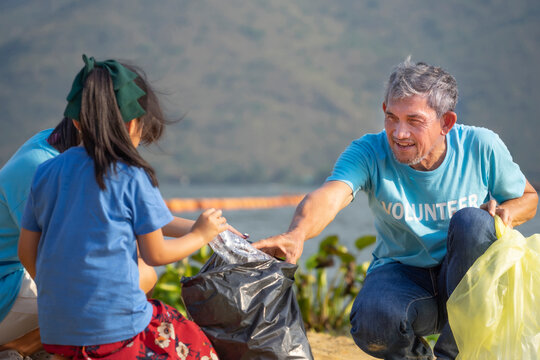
{"x": 234, "y": 249}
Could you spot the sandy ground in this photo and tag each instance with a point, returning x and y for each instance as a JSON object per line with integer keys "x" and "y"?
{"x": 327, "y": 347}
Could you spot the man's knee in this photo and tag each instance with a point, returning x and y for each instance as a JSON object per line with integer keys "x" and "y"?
{"x": 376, "y": 328}
{"x": 471, "y": 230}
{"x": 471, "y": 217}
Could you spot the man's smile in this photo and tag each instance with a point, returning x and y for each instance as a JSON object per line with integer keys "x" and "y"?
{"x": 404, "y": 145}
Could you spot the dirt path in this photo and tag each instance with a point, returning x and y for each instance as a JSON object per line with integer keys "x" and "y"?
{"x": 327, "y": 347}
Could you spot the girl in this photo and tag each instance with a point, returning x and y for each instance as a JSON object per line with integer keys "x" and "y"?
{"x": 87, "y": 210}
{"x": 18, "y": 293}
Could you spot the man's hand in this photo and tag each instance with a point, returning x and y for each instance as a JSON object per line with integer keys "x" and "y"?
{"x": 282, "y": 246}
{"x": 494, "y": 209}
{"x": 311, "y": 216}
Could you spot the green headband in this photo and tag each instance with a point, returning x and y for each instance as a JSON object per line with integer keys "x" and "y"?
{"x": 126, "y": 91}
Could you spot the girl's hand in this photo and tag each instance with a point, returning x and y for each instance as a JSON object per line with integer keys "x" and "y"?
{"x": 234, "y": 231}
{"x": 156, "y": 251}
{"x": 209, "y": 224}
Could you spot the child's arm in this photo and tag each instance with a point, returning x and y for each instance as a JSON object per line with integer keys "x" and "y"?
{"x": 180, "y": 227}
{"x": 27, "y": 251}
{"x": 147, "y": 277}
{"x": 157, "y": 251}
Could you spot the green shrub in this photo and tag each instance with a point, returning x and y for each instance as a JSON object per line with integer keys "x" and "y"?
{"x": 326, "y": 304}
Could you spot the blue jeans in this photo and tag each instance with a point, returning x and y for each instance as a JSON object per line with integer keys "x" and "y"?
{"x": 399, "y": 304}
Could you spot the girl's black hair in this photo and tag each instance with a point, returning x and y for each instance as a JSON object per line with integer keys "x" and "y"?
{"x": 153, "y": 122}
{"x": 103, "y": 131}
{"x": 64, "y": 135}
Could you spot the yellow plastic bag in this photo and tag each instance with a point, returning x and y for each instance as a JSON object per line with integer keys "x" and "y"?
{"x": 494, "y": 312}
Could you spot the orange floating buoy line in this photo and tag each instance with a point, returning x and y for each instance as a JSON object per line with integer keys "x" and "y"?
{"x": 194, "y": 204}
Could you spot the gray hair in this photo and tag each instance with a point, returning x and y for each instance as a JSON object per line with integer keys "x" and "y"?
{"x": 438, "y": 86}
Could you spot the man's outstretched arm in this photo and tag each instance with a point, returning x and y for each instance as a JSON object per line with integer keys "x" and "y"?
{"x": 313, "y": 214}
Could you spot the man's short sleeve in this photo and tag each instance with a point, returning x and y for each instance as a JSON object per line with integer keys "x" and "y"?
{"x": 506, "y": 181}
{"x": 149, "y": 211}
{"x": 352, "y": 166}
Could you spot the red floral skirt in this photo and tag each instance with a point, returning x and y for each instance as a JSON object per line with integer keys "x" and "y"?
{"x": 168, "y": 336}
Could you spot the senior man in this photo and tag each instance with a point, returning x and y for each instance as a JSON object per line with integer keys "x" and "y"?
{"x": 433, "y": 187}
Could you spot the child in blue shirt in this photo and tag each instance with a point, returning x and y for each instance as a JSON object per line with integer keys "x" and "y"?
{"x": 88, "y": 209}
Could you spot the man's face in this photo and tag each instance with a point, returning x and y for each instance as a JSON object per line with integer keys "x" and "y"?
{"x": 414, "y": 132}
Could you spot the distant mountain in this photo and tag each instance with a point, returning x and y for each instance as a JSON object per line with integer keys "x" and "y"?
{"x": 272, "y": 91}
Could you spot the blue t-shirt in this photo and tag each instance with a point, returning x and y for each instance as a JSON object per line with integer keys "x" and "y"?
{"x": 15, "y": 179}
{"x": 86, "y": 268}
{"x": 412, "y": 208}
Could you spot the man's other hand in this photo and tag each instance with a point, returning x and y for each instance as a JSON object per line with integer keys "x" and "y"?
{"x": 494, "y": 209}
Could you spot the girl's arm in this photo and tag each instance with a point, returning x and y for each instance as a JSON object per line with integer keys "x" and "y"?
{"x": 180, "y": 227}
{"x": 177, "y": 227}
{"x": 147, "y": 277}
{"x": 27, "y": 251}
{"x": 157, "y": 251}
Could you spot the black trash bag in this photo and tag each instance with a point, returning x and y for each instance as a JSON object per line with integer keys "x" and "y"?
{"x": 248, "y": 311}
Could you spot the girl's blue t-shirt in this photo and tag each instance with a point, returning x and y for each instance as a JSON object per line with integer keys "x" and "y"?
{"x": 86, "y": 268}
{"x": 412, "y": 209}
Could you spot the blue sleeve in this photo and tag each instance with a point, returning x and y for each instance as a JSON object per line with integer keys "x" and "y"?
{"x": 149, "y": 211}
{"x": 506, "y": 181}
{"x": 18, "y": 178}
{"x": 352, "y": 167}
{"x": 29, "y": 220}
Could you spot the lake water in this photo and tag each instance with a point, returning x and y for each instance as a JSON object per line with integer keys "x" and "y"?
{"x": 352, "y": 222}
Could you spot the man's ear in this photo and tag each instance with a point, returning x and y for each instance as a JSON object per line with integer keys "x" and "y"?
{"x": 448, "y": 121}
{"x": 384, "y": 107}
